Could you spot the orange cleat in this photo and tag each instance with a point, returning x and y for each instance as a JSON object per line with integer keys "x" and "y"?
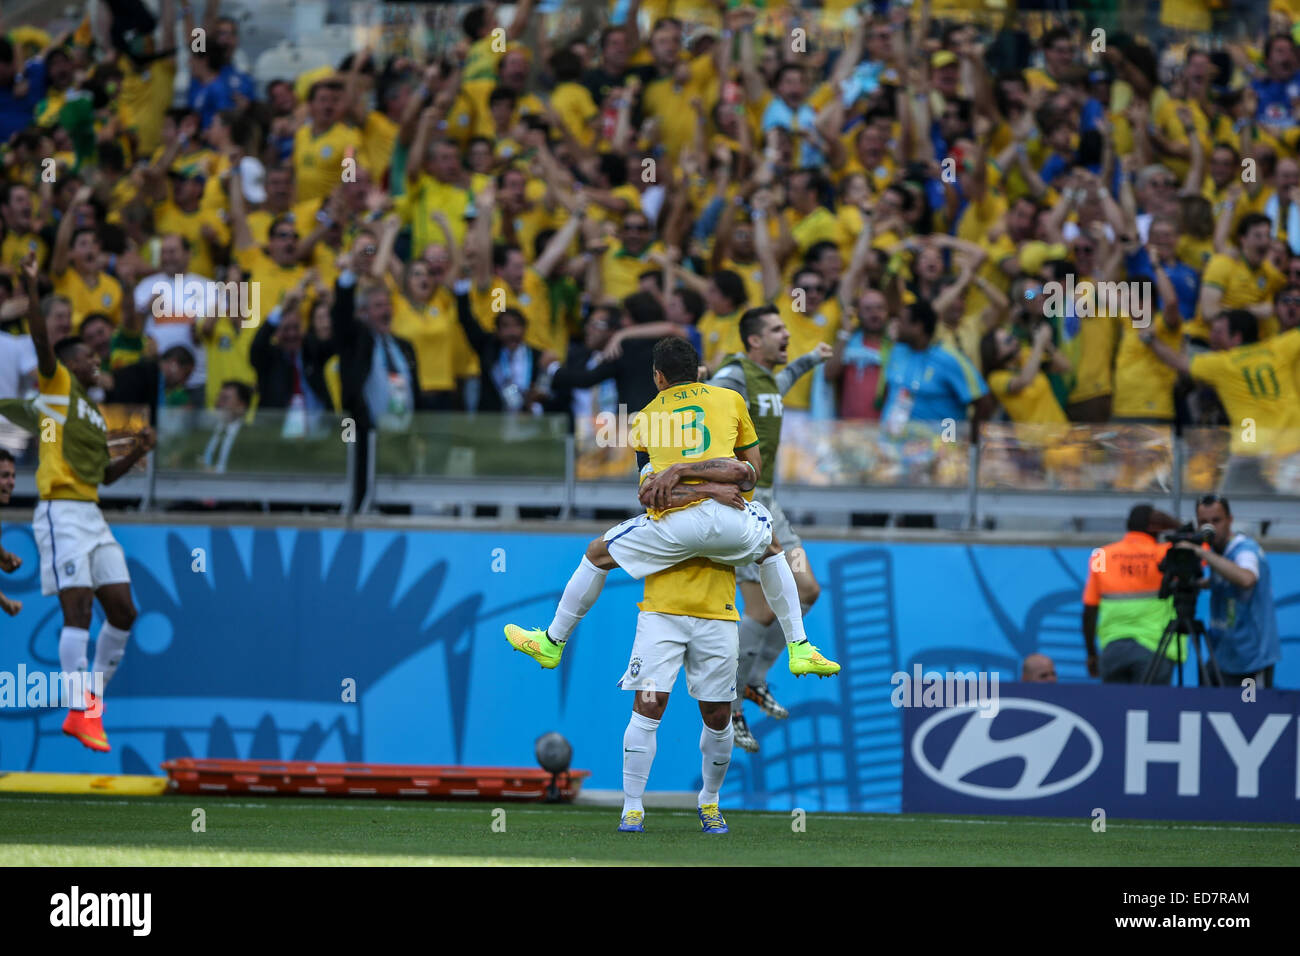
{"x": 89, "y": 730}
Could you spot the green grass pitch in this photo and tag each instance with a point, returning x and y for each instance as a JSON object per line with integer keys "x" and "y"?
{"x": 40, "y": 830}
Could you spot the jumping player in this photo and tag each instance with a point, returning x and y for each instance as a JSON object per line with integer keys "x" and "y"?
{"x": 80, "y": 559}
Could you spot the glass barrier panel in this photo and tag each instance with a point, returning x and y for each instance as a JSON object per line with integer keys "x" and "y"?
{"x": 1039, "y": 457}
{"x": 1242, "y": 461}
{"x": 479, "y": 445}
{"x": 602, "y": 451}
{"x": 857, "y": 453}
{"x": 266, "y": 441}
{"x": 124, "y": 422}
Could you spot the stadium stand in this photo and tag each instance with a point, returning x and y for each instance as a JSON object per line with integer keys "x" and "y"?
{"x": 1099, "y": 209}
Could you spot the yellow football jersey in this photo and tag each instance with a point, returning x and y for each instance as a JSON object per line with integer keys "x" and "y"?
{"x": 318, "y": 160}
{"x": 1257, "y": 385}
{"x": 272, "y": 279}
{"x": 1144, "y": 385}
{"x": 694, "y": 588}
{"x": 1241, "y": 286}
{"x": 1036, "y": 402}
{"x": 719, "y": 335}
{"x": 103, "y": 295}
{"x": 442, "y": 353}
{"x": 621, "y": 270}
{"x": 690, "y": 422}
{"x": 170, "y": 218}
{"x": 806, "y": 331}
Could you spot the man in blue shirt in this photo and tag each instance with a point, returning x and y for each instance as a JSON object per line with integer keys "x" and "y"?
{"x": 19, "y": 91}
{"x": 1243, "y": 623}
{"x": 928, "y": 382}
{"x": 1163, "y": 240}
{"x": 213, "y": 90}
{"x": 1279, "y": 91}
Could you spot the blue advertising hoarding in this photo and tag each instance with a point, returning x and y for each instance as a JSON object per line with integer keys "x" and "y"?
{"x": 248, "y": 638}
{"x": 1067, "y": 750}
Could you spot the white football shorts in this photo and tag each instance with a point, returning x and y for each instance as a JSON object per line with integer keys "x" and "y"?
{"x": 76, "y": 547}
{"x": 727, "y": 535}
{"x": 708, "y": 647}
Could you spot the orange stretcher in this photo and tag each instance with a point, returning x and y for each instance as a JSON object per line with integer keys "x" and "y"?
{"x": 189, "y": 775}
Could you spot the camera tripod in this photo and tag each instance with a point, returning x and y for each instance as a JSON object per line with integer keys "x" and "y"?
{"x": 1185, "y": 624}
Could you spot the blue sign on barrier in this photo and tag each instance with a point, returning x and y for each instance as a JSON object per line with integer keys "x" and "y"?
{"x": 1060, "y": 750}
{"x": 387, "y": 646}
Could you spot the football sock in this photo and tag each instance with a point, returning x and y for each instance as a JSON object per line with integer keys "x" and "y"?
{"x": 782, "y": 596}
{"x": 715, "y": 745}
{"x": 578, "y": 597}
{"x": 638, "y": 755}
{"x": 771, "y": 648}
{"x": 751, "y": 642}
{"x": 72, "y": 660}
{"x": 109, "y": 648}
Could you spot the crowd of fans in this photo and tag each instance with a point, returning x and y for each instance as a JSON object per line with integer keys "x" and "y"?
{"x": 903, "y": 192}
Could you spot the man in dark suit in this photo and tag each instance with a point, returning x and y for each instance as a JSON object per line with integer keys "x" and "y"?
{"x": 377, "y": 370}
{"x": 511, "y": 376}
{"x": 632, "y": 371}
{"x": 287, "y": 361}
{"x": 585, "y": 355}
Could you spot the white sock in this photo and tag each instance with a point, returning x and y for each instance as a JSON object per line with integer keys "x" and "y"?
{"x": 715, "y": 745}
{"x": 72, "y": 661}
{"x": 782, "y": 596}
{"x": 771, "y": 648}
{"x": 109, "y": 648}
{"x": 751, "y": 642}
{"x": 578, "y": 597}
{"x": 638, "y": 755}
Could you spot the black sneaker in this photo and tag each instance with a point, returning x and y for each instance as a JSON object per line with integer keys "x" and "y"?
{"x": 760, "y": 695}
{"x": 745, "y": 740}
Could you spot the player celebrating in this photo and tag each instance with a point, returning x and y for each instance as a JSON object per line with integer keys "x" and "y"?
{"x": 766, "y": 338}
{"x": 689, "y": 431}
{"x": 80, "y": 559}
{"x": 687, "y": 616}
{"x": 8, "y": 562}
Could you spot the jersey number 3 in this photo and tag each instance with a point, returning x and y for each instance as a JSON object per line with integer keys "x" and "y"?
{"x": 696, "y": 421}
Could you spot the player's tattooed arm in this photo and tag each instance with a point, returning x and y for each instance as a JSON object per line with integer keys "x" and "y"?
{"x": 730, "y": 471}
{"x": 658, "y": 490}
{"x": 725, "y": 493}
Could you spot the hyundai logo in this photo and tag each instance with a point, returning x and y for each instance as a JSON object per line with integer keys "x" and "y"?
{"x": 975, "y": 748}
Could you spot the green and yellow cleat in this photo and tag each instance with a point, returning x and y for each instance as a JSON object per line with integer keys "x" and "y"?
{"x": 537, "y": 645}
{"x": 806, "y": 659}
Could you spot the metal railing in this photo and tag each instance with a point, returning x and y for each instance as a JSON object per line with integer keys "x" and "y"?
{"x": 444, "y": 461}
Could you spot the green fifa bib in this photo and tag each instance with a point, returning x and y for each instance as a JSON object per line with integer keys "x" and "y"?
{"x": 765, "y": 408}
{"x": 85, "y": 436}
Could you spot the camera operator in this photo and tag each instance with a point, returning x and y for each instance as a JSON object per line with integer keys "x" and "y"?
{"x": 1122, "y": 607}
{"x": 1243, "y": 624}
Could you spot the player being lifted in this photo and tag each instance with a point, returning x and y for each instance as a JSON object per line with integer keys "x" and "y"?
{"x": 690, "y": 431}
{"x": 765, "y": 338}
{"x": 80, "y": 559}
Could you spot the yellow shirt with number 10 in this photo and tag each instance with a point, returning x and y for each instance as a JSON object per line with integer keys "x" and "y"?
{"x": 1257, "y": 385}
